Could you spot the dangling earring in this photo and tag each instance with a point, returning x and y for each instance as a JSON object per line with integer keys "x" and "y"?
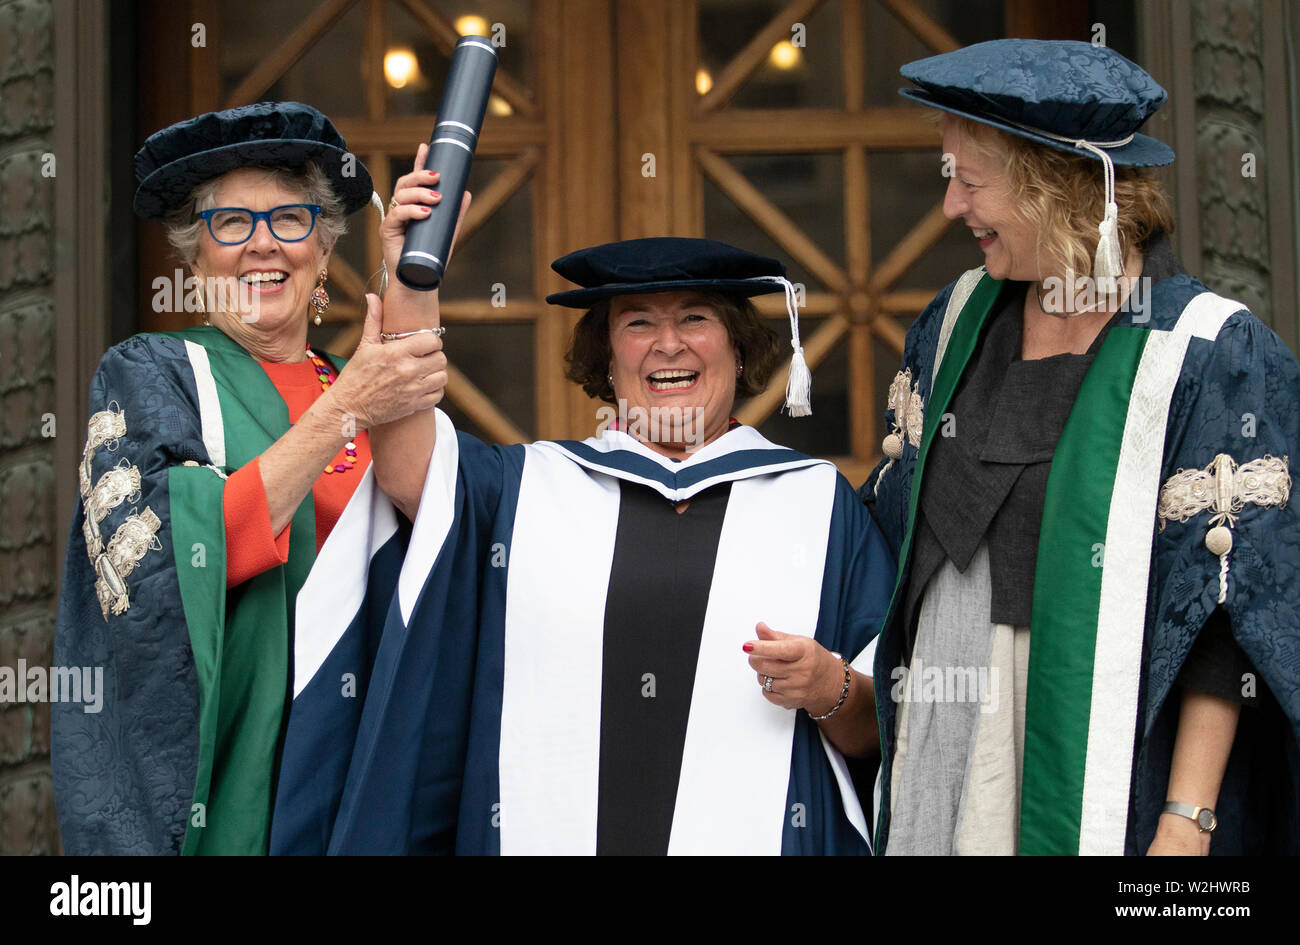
{"x": 320, "y": 299}
{"x": 198, "y": 302}
{"x": 740, "y": 369}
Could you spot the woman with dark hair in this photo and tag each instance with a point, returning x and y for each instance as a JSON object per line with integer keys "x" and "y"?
{"x": 755, "y": 343}
{"x": 1087, "y": 486}
{"x": 217, "y": 463}
{"x": 629, "y": 644}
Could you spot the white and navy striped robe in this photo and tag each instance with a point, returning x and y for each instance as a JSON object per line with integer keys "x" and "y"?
{"x": 448, "y": 675}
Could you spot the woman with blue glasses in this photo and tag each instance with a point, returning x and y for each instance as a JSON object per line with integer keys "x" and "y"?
{"x": 218, "y": 460}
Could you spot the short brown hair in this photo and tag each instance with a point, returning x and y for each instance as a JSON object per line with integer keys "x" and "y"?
{"x": 754, "y": 340}
{"x": 1062, "y": 196}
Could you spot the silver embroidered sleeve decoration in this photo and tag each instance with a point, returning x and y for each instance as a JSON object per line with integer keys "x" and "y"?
{"x": 909, "y": 418}
{"x": 118, "y": 484}
{"x": 104, "y": 429}
{"x": 94, "y": 543}
{"x": 136, "y": 536}
{"x": 1226, "y": 489}
{"x": 115, "y": 486}
{"x": 133, "y": 539}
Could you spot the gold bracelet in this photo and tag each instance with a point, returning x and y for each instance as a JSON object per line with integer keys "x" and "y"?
{"x": 386, "y": 336}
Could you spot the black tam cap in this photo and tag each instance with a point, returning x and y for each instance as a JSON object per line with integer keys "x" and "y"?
{"x": 178, "y": 158}
{"x": 664, "y": 264}
{"x": 675, "y": 264}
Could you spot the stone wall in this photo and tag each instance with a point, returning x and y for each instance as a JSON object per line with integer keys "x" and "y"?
{"x": 28, "y": 539}
{"x": 1233, "y": 206}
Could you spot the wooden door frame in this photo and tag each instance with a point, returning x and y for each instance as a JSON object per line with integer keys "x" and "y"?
{"x": 577, "y": 203}
{"x": 584, "y": 134}
{"x": 692, "y": 136}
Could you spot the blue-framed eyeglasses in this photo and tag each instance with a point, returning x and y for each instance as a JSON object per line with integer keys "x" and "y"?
{"x": 290, "y": 223}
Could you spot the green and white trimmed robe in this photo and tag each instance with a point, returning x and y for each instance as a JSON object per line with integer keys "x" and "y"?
{"x": 1120, "y": 591}
{"x": 182, "y": 757}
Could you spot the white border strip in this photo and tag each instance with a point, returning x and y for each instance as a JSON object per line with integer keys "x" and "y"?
{"x": 214, "y": 431}
{"x": 735, "y": 772}
{"x": 961, "y": 294}
{"x": 681, "y": 495}
{"x": 433, "y": 520}
{"x": 735, "y": 777}
{"x": 848, "y": 793}
{"x": 741, "y": 438}
{"x": 560, "y": 555}
{"x": 336, "y": 586}
{"x": 1125, "y": 577}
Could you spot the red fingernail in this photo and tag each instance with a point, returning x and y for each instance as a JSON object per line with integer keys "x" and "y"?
{"x": 748, "y": 648}
{"x": 432, "y": 173}
{"x": 427, "y": 209}
{"x": 432, "y": 191}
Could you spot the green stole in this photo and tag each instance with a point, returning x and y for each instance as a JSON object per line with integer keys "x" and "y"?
{"x": 241, "y": 638}
{"x": 1067, "y": 585}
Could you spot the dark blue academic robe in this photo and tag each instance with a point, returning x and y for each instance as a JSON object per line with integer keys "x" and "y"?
{"x": 470, "y": 722}
{"x": 1188, "y": 393}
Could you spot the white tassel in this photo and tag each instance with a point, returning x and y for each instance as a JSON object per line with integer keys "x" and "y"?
{"x": 1108, "y": 266}
{"x": 798, "y": 390}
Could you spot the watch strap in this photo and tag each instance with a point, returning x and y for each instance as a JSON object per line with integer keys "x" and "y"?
{"x": 1194, "y": 814}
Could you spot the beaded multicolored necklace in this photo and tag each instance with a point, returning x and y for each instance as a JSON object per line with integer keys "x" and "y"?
{"x": 326, "y": 379}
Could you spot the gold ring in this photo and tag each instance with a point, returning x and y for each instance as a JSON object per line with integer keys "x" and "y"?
{"x": 392, "y": 204}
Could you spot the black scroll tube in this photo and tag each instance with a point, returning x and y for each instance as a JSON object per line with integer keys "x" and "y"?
{"x": 451, "y": 151}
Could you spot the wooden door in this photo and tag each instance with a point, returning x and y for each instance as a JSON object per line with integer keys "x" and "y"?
{"x": 539, "y": 186}
{"x": 775, "y": 126}
{"x": 778, "y": 127}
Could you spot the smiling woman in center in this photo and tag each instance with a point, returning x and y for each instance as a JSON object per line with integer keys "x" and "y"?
{"x": 645, "y": 628}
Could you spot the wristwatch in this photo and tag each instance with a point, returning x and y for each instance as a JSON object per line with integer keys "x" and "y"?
{"x": 1203, "y": 816}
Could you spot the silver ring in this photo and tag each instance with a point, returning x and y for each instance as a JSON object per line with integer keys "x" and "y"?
{"x": 767, "y": 683}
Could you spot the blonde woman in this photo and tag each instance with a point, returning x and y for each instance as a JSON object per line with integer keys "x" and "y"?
{"x": 1092, "y": 646}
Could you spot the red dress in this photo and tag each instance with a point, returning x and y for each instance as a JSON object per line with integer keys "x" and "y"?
{"x": 251, "y": 548}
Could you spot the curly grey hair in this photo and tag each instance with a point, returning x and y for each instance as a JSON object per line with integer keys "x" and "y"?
{"x": 184, "y": 226}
